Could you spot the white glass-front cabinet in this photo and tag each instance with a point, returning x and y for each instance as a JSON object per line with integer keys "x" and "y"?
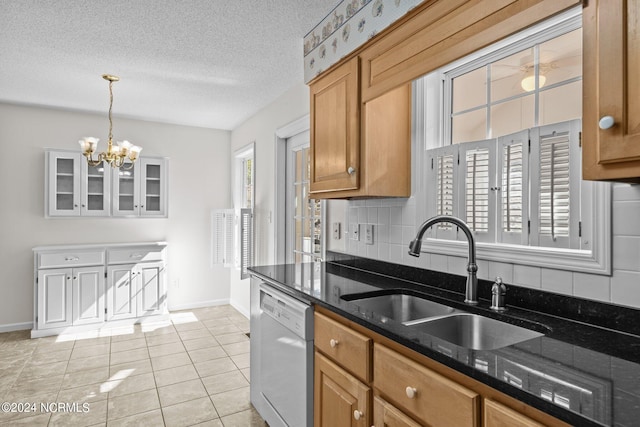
{"x": 74, "y": 188}
{"x": 142, "y": 190}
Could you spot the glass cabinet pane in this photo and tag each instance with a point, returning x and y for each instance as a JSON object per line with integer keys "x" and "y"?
{"x": 64, "y": 184}
{"x": 126, "y": 189}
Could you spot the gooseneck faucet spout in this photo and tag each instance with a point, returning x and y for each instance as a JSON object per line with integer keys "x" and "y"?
{"x": 471, "y": 292}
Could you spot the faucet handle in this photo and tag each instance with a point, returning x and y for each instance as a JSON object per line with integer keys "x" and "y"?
{"x": 498, "y": 292}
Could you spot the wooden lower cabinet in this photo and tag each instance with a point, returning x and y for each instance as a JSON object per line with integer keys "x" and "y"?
{"x": 387, "y": 415}
{"x": 498, "y": 415}
{"x": 423, "y": 393}
{"x": 340, "y": 398}
{"x": 402, "y": 388}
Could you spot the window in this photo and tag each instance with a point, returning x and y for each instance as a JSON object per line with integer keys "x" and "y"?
{"x": 244, "y": 208}
{"x": 505, "y": 155}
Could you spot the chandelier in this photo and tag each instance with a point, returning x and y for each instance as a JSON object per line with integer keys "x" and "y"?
{"x": 115, "y": 156}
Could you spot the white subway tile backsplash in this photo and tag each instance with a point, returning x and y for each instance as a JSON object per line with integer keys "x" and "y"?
{"x": 559, "y": 281}
{"x": 395, "y": 215}
{"x": 457, "y": 265}
{"x": 395, "y": 253}
{"x": 592, "y": 286}
{"x": 383, "y": 216}
{"x": 625, "y": 218}
{"x": 372, "y": 215}
{"x": 395, "y": 234}
{"x": 524, "y": 275}
{"x": 483, "y": 269}
{"x": 625, "y": 288}
{"x": 501, "y": 269}
{"x": 396, "y": 221}
{"x": 626, "y": 253}
{"x": 439, "y": 262}
{"x": 622, "y": 191}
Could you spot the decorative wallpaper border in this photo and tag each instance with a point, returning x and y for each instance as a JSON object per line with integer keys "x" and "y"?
{"x": 348, "y": 26}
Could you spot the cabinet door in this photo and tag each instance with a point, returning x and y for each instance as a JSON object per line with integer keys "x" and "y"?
{"x": 54, "y": 298}
{"x": 126, "y": 191}
{"x": 611, "y": 85}
{"x": 95, "y": 185}
{"x": 153, "y": 187}
{"x": 121, "y": 292}
{"x": 386, "y": 415}
{"x": 88, "y": 295}
{"x": 151, "y": 298}
{"x": 63, "y": 183}
{"x": 339, "y": 398}
{"x": 335, "y": 136}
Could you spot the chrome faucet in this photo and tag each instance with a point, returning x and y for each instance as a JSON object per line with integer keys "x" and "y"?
{"x": 471, "y": 292}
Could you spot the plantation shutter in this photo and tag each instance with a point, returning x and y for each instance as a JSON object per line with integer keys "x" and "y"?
{"x": 222, "y": 225}
{"x": 479, "y": 189}
{"x": 246, "y": 242}
{"x": 513, "y": 196}
{"x": 557, "y": 183}
{"x": 442, "y": 186}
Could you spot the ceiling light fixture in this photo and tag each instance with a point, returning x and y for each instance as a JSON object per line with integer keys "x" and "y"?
{"x": 116, "y": 156}
{"x": 528, "y": 82}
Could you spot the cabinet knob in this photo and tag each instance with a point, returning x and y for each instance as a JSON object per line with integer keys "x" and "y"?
{"x": 411, "y": 392}
{"x": 333, "y": 343}
{"x": 357, "y": 414}
{"x": 83, "y": 205}
{"x": 351, "y": 170}
{"x": 606, "y": 122}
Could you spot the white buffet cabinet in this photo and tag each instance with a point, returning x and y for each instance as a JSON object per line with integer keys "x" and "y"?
{"x": 84, "y": 287}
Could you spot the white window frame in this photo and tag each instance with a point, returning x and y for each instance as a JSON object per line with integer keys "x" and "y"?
{"x": 595, "y": 254}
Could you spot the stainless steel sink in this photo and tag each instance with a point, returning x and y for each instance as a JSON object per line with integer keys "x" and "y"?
{"x": 401, "y": 307}
{"x": 475, "y": 332}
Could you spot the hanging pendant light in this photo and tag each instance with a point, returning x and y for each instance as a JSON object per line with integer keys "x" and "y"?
{"x": 116, "y": 156}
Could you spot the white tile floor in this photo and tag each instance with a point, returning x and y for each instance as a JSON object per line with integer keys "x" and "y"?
{"x": 193, "y": 370}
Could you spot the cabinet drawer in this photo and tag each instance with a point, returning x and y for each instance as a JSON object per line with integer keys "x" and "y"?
{"x": 133, "y": 255}
{"x": 498, "y": 415}
{"x": 70, "y": 259}
{"x": 423, "y": 393}
{"x": 350, "y": 349}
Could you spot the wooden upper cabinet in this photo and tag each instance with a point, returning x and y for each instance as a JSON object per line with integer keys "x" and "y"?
{"x": 359, "y": 149}
{"x": 440, "y": 32}
{"x": 335, "y": 116}
{"x": 611, "y": 89}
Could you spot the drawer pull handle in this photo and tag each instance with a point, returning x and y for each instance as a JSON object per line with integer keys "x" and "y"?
{"x": 411, "y": 392}
{"x": 71, "y": 258}
{"x": 606, "y": 122}
{"x": 357, "y": 414}
{"x": 135, "y": 256}
{"x": 333, "y": 343}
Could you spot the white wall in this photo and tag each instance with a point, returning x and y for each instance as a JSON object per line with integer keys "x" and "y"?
{"x": 199, "y": 180}
{"x": 261, "y": 128}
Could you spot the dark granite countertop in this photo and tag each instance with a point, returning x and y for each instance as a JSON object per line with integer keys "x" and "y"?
{"x": 585, "y": 370}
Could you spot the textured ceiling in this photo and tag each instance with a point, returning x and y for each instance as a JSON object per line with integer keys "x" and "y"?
{"x": 208, "y": 63}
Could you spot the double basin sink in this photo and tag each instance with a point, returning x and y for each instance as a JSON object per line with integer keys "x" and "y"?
{"x": 455, "y": 326}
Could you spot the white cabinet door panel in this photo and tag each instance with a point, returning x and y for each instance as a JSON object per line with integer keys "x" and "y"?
{"x": 121, "y": 292}
{"x": 151, "y": 298}
{"x": 54, "y": 298}
{"x": 88, "y": 295}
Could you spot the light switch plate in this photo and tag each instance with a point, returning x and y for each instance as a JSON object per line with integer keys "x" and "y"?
{"x": 336, "y": 231}
{"x": 355, "y": 231}
{"x": 368, "y": 234}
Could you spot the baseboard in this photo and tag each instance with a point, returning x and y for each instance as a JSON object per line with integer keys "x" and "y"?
{"x": 199, "y": 304}
{"x": 241, "y": 309}
{"x": 16, "y": 327}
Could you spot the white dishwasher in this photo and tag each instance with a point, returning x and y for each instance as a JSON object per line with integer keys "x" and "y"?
{"x": 286, "y": 358}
